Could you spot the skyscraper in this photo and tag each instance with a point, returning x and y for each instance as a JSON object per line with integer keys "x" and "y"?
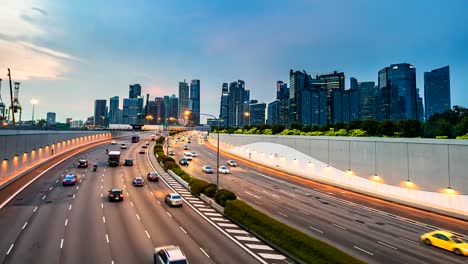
{"x": 257, "y": 114}
{"x": 195, "y": 102}
{"x": 132, "y": 111}
{"x": 282, "y": 95}
{"x": 437, "y": 91}
{"x": 273, "y": 113}
{"x": 419, "y": 107}
{"x": 183, "y": 100}
{"x": 333, "y": 81}
{"x": 397, "y": 92}
{"x": 134, "y": 91}
{"x": 114, "y": 110}
{"x": 173, "y": 109}
{"x": 100, "y": 113}
{"x": 159, "y": 116}
{"x": 236, "y": 104}
{"x": 51, "y": 118}
{"x": 151, "y": 113}
{"x": 366, "y": 105}
{"x": 166, "y": 108}
{"x": 223, "y": 111}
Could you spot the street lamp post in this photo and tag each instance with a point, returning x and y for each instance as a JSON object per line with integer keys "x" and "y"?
{"x": 33, "y": 102}
{"x": 247, "y": 114}
{"x": 188, "y": 112}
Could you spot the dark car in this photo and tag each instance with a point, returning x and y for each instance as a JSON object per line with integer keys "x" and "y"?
{"x": 116, "y": 195}
{"x": 153, "y": 176}
{"x": 184, "y": 162}
{"x": 128, "y": 162}
{"x": 138, "y": 181}
{"x": 69, "y": 179}
{"x": 82, "y": 163}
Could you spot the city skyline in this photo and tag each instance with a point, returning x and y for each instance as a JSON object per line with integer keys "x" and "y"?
{"x": 103, "y": 69}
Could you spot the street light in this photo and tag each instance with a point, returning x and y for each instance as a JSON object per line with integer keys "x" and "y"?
{"x": 33, "y": 102}
{"x": 247, "y": 114}
{"x": 149, "y": 118}
{"x": 187, "y": 113}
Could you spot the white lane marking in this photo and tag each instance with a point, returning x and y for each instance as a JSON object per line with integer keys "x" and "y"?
{"x": 227, "y": 225}
{"x": 207, "y": 210}
{"x": 128, "y": 194}
{"x": 330, "y": 193}
{"x": 147, "y": 234}
{"x": 259, "y": 203}
{"x": 107, "y": 238}
{"x": 61, "y": 243}
{"x": 77, "y": 187}
{"x": 272, "y": 256}
{"x": 101, "y": 195}
{"x": 169, "y": 214}
{"x": 35, "y": 209}
{"x": 407, "y": 240}
{"x": 51, "y": 188}
{"x": 237, "y": 231}
{"x": 261, "y": 247}
{"x": 81, "y": 179}
{"x": 219, "y": 219}
{"x": 246, "y": 238}
{"x": 112, "y": 262}
{"x": 138, "y": 217}
{"x": 56, "y": 181}
{"x": 158, "y": 202}
{"x": 344, "y": 228}
{"x": 213, "y": 214}
{"x": 102, "y": 180}
{"x": 74, "y": 195}
{"x": 318, "y": 230}
{"x": 102, "y": 205}
{"x": 183, "y": 230}
{"x": 287, "y": 193}
{"x": 24, "y": 226}
{"x": 131, "y": 203}
{"x": 304, "y": 212}
{"x": 204, "y": 252}
{"x": 101, "y": 187}
{"x": 69, "y": 208}
{"x": 104, "y": 219}
{"x": 365, "y": 251}
{"x": 66, "y": 222}
{"x": 11, "y": 247}
{"x": 283, "y": 214}
{"x": 253, "y": 195}
{"x": 43, "y": 197}
{"x": 125, "y": 186}
{"x": 387, "y": 245}
{"x": 274, "y": 195}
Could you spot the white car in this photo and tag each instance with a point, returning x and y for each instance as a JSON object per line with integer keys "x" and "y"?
{"x": 232, "y": 163}
{"x": 169, "y": 254}
{"x": 188, "y": 156}
{"x": 147, "y": 143}
{"x": 113, "y": 142}
{"x": 194, "y": 154}
{"x": 123, "y": 146}
{"x": 207, "y": 169}
{"x": 223, "y": 169}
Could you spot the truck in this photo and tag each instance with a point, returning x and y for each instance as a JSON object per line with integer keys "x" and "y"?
{"x": 135, "y": 139}
{"x": 114, "y": 158}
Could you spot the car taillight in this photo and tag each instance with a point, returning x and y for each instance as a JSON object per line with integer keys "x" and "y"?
{"x": 121, "y": 195}
{"x": 111, "y": 195}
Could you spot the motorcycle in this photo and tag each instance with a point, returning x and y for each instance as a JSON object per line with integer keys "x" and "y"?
{"x": 95, "y": 168}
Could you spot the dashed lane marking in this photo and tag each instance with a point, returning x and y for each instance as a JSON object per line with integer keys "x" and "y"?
{"x": 24, "y": 226}
{"x": 365, "y": 251}
{"x": 387, "y": 245}
{"x": 318, "y": 230}
{"x": 344, "y": 228}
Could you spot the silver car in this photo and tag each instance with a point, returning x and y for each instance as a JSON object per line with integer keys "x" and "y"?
{"x": 207, "y": 169}
{"x": 231, "y": 163}
{"x": 173, "y": 199}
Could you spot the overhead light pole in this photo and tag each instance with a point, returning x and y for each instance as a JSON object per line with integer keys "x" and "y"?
{"x": 34, "y": 102}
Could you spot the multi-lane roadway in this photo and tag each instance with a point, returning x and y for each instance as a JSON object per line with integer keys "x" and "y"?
{"x": 373, "y": 230}
{"x": 51, "y": 223}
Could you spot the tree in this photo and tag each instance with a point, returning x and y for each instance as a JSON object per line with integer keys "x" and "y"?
{"x": 306, "y": 128}
{"x": 276, "y": 129}
{"x": 409, "y": 127}
{"x": 355, "y": 124}
{"x": 462, "y": 127}
{"x": 444, "y": 128}
{"x": 370, "y": 126}
{"x": 387, "y": 128}
{"x": 296, "y": 125}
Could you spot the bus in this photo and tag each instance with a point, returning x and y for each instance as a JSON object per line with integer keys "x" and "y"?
{"x": 135, "y": 139}
{"x": 114, "y": 158}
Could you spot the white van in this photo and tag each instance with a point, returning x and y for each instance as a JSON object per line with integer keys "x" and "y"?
{"x": 188, "y": 155}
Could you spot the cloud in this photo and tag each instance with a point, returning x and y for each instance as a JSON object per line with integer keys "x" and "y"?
{"x": 42, "y": 11}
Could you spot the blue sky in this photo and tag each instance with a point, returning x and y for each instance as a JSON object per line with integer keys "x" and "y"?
{"x": 68, "y": 53}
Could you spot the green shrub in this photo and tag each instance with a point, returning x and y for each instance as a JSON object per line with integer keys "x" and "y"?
{"x": 170, "y": 165}
{"x": 197, "y": 186}
{"x": 300, "y": 245}
{"x": 166, "y": 158}
{"x": 160, "y": 140}
{"x": 210, "y": 190}
{"x": 161, "y": 156}
{"x": 182, "y": 174}
{"x": 223, "y": 196}
{"x": 463, "y": 137}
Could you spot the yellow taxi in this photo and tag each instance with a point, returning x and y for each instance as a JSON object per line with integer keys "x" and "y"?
{"x": 447, "y": 241}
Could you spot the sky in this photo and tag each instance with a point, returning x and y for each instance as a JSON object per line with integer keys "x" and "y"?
{"x": 68, "y": 53}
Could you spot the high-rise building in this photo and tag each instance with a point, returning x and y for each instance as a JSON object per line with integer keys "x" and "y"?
{"x": 132, "y": 111}
{"x": 159, "y": 116}
{"x": 257, "y": 114}
{"x": 333, "y": 81}
{"x": 282, "y": 95}
{"x": 50, "y": 116}
{"x": 223, "y": 110}
{"x": 100, "y": 112}
{"x": 134, "y": 91}
{"x": 173, "y": 109}
{"x": 184, "y": 97}
{"x": 114, "y": 110}
{"x": 273, "y": 113}
{"x": 397, "y": 92}
{"x": 366, "y": 104}
{"x": 68, "y": 120}
{"x": 236, "y": 104}
{"x": 437, "y": 91}
{"x": 419, "y": 107}
{"x": 151, "y": 113}
{"x": 166, "y": 108}
{"x": 194, "y": 117}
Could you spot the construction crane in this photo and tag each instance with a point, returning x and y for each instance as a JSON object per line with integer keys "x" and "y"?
{"x": 15, "y": 105}
{"x": 2, "y": 105}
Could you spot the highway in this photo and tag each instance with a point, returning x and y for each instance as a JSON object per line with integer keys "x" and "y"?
{"x": 370, "y": 229}
{"x": 51, "y": 223}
